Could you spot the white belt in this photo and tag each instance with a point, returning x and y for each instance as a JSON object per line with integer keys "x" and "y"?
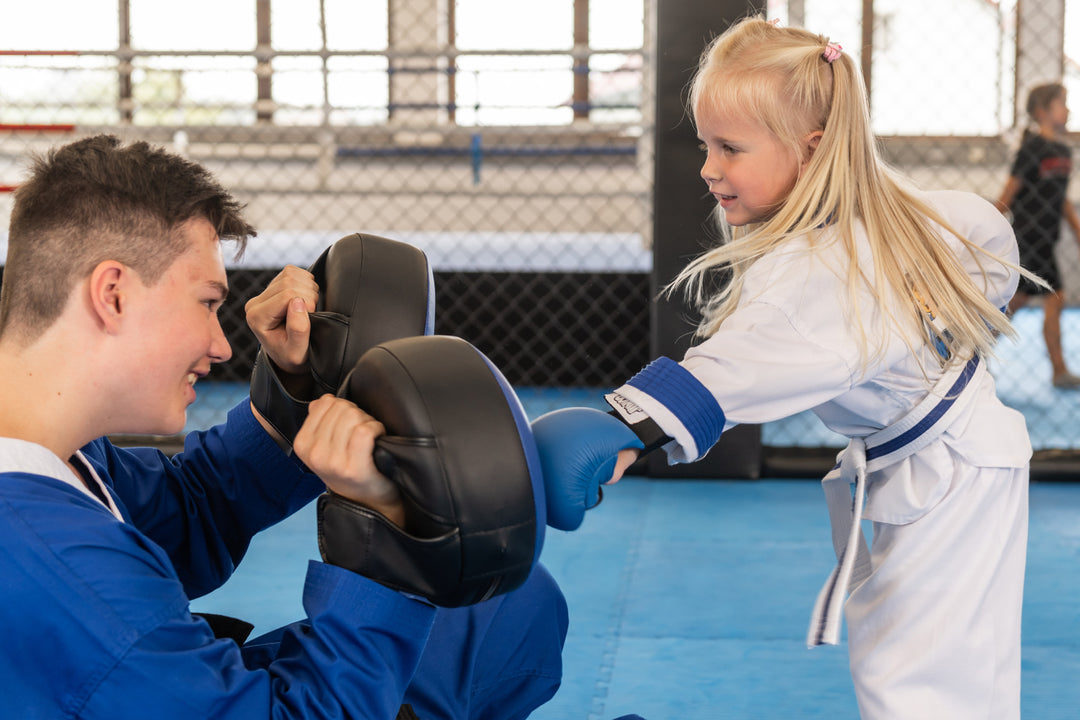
{"x": 904, "y": 438}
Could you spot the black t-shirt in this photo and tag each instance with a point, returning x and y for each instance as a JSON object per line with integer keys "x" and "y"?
{"x": 1043, "y": 167}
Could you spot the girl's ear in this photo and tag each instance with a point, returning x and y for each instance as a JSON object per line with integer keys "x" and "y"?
{"x": 812, "y": 142}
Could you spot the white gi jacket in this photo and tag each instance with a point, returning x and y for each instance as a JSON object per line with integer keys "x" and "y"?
{"x": 793, "y": 345}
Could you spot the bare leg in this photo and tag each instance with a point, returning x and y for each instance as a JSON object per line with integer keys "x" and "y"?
{"x": 1053, "y": 304}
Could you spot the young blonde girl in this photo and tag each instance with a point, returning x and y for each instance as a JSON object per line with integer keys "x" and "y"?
{"x": 846, "y": 292}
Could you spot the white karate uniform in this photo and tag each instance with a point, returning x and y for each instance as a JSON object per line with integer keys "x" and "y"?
{"x": 934, "y": 631}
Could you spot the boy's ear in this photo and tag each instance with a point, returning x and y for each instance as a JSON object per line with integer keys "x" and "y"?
{"x": 108, "y": 293}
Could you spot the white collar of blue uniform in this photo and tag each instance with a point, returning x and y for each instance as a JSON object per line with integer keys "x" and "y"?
{"x": 28, "y": 457}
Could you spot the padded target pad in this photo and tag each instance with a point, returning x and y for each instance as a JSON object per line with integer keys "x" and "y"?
{"x": 371, "y": 290}
{"x": 459, "y": 447}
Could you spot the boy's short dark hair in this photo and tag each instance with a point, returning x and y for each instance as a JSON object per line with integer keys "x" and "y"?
{"x": 96, "y": 199}
{"x": 1040, "y": 96}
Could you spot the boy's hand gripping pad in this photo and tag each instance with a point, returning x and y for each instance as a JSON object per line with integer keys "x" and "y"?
{"x": 371, "y": 290}
{"x": 459, "y": 447}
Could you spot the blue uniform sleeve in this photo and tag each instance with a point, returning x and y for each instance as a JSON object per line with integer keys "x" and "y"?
{"x": 205, "y": 504}
{"x": 100, "y": 628}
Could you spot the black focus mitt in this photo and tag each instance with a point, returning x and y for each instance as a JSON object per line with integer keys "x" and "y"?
{"x": 371, "y": 290}
{"x": 459, "y": 447}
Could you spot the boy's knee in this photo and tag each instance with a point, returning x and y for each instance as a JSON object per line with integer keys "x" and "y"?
{"x": 522, "y": 667}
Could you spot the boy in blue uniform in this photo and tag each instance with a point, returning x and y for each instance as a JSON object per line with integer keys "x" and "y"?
{"x": 108, "y": 317}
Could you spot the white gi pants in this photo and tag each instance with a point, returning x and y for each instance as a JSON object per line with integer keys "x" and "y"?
{"x": 934, "y": 631}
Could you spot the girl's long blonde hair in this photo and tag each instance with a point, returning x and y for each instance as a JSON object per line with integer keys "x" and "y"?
{"x": 779, "y": 77}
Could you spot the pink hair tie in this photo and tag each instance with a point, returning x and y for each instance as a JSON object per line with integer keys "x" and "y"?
{"x": 831, "y": 52}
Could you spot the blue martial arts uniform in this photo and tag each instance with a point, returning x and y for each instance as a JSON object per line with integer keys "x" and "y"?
{"x": 95, "y": 610}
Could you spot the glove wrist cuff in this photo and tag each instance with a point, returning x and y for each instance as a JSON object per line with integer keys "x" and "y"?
{"x": 648, "y": 431}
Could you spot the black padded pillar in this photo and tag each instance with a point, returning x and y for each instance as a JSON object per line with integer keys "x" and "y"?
{"x": 681, "y": 208}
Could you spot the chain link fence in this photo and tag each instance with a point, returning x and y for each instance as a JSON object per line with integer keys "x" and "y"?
{"x": 512, "y": 142}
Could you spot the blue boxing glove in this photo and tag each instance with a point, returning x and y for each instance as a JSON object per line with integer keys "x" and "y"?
{"x": 578, "y": 449}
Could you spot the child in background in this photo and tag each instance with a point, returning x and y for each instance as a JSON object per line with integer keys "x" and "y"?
{"x": 1035, "y": 193}
{"x": 846, "y": 292}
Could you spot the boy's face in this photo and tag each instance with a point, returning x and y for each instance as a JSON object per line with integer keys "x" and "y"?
{"x": 176, "y": 325}
{"x": 748, "y": 170}
{"x": 1058, "y": 111}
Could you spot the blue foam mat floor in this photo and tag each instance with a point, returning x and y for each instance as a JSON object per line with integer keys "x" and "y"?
{"x": 690, "y": 599}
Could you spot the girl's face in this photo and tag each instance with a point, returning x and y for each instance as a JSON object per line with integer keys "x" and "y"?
{"x": 748, "y": 170}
